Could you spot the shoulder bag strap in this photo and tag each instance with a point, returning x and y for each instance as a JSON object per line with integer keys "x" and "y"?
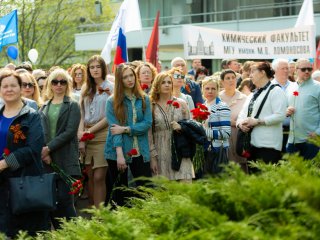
{"x": 264, "y": 100}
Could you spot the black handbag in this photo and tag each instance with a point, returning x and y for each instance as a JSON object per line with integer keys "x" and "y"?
{"x": 243, "y": 138}
{"x": 33, "y": 193}
{"x": 215, "y": 159}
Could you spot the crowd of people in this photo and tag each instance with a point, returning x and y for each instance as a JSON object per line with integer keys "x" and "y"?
{"x": 142, "y": 125}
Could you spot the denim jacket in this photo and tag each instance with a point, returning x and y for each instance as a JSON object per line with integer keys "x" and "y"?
{"x": 139, "y": 129}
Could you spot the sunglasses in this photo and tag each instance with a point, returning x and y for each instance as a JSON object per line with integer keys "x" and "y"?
{"x": 27, "y": 85}
{"x": 176, "y": 76}
{"x": 55, "y": 82}
{"x": 305, "y": 69}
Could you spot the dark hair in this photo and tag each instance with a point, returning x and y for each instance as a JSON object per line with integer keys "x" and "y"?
{"x": 223, "y": 64}
{"x": 8, "y": 73}
{"x": 265, "y": 66}
{"x": 201, "y": 70}
{"x": 90, "y": 87}
{"x": 225, "y": 72}
{"x": 25, "y": 65}
{"x": 229, "y": 61}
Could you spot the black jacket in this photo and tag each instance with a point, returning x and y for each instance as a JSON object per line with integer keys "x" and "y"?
{"x": 185, "y": 141}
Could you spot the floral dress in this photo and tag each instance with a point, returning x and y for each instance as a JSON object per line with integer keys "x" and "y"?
{"x": 162, "y": 141}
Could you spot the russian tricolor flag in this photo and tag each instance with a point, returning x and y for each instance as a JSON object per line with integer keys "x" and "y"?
{"x": 121, "y": 50}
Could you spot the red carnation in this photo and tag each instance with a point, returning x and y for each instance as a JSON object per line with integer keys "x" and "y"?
{"x": 246, "y": 154}
{"x": 176, "y": 104}
{"x": 295, "y": 93}
{"x": 6, "y": 152}
{"x": 132, "y": 152}
{"x": 170, "y": 102}
{"x": 144, "y": 86}
{"x": 87, "y": 136}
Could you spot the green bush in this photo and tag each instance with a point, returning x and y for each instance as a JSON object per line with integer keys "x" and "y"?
{"x": 281, "y": 202}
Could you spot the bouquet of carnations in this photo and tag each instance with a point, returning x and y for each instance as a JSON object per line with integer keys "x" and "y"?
{"x": 200, "y": 114}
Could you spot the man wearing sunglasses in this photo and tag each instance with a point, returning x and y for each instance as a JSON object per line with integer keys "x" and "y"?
{"x": 191, "y": 88}
{"x": 304, "y": 110}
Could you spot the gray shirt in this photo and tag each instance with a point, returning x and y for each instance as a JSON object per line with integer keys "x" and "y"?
{"x": 94, "y": 110}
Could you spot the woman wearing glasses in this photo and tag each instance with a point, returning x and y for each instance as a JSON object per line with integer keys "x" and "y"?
{"x": 93, "y": 100}
{"x": 60, "y": 116}
{"x": 78, "y": 74}
{"x": 178, "y": 83}
{"x": 30, "y": 88}
{"x": 146, "y": 73}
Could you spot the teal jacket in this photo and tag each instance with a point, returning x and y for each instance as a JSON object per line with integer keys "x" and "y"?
{"x": 139, "y": 129}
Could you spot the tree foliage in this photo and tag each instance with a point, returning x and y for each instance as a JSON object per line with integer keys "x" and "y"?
{"x": 49, "y": 26}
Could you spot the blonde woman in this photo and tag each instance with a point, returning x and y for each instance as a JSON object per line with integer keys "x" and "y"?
{"x": 30, "y": 88}
{"x": 165, "y": 118}
{"x": 178, "y": 81}
{"x": 218, "y": 125}
{"x": 60, "y": 116}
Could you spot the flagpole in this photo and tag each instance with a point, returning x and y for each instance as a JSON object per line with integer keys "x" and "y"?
{"x": 143, "y": 46}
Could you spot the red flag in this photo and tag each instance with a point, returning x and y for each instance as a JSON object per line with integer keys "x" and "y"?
{"x": 153, "y": 46}
{"x": 316, "y": 65}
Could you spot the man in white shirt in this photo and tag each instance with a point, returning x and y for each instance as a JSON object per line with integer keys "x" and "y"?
{"x": 281, "y": 77}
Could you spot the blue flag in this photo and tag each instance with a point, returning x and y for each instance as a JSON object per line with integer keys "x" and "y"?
{"x": 8, "y": 29}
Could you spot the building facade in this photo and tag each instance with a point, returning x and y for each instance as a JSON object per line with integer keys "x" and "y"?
{"x": 234, "y": 15}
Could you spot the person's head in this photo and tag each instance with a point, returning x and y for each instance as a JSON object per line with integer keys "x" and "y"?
{"x": 59, "y": 83}
{"x": 178, "y": 77}
{"x": 10, "y": 86}
{"x": 229, "y": 80}
{"x": 196, "y": 63}
{"x": 292, "y": 68}
{"x": 246, "y": 86}
{"x": 126, "y": 81}
{"x": 304, "y": 69}
{"x": 246, "y": 68}
{"x": 261, "y": 73}
{"x": 146, "y": 72}
{"x": 40, "y": 77}
{"x": 223, "y": 64}
{"x": 316, "y": 75}
{"x": 179, "y": 62}
{"x": 281, "y": 69}
{"x": 162, "y": 84}
{"x": 201, "y": 71}
{"x": 78, "y": 73}
{"x": 233, "y": 64}
{"x": 96, "y": 68}
{"x": 25, "y": 65}
{"x": 30, "y": 88}
{"x": 10, "y": 66}
{"x": 210, "y": 88}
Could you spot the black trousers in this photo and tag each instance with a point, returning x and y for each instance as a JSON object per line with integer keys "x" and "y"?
{"x": 268, "y": 155}
{"x": 119, "y": 193}
{"x": 65, "y": 206}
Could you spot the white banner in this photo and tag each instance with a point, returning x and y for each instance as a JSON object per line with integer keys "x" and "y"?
{"x": 208, "y": 43}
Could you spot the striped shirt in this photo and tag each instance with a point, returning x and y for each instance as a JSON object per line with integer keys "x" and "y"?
{"x": 218, "y": 127}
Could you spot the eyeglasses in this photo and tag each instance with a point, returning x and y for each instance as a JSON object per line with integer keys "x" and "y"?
{"x": 55, "y": 82}
{"x": 305, "y": 69}
{"x": 176, "y": 76}
{"x": 27, "y": 85}
{"x": 78, "y": 74}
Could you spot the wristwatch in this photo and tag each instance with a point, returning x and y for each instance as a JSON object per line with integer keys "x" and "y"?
{"x": 126, "y": 130}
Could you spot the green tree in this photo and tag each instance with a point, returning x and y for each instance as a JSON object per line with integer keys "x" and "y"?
{"x": 49, "y": 26}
